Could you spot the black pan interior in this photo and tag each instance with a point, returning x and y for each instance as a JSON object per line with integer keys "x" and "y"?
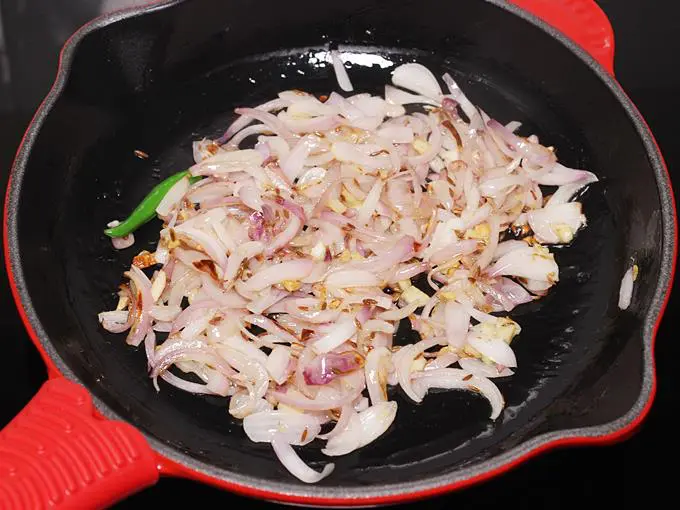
{"x": 158, "y": 81}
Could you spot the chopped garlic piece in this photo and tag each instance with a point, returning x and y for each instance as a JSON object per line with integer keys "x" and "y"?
{"x": 291, "y": 285}
{"x": 636, "y": 270}
{"x": 415, "y": 295}
{"x": 436, "y": 164}
{"x": 122, "y": 303}
{"x": 448, "y": 296}
{"x": 449, "y": 156}
{"x": 503, "y": 329}
{"x": 337, "y": 206}
{"x": 158, "y": 284}
{"x": 191, "y": 294}
{"x": 481, "y": 232}
{"x": 563, "y": 232}
{"x": 288, "y": 409}
{"x": 487, "y": 360}
{"x": 319, "y": 251}
{"x": 472, "y": 352}
{"x": 418, "y": 364}
{"x": 421, "y": 146}
{"x": 350, "y": 199}
{"x": 404, "y": 284}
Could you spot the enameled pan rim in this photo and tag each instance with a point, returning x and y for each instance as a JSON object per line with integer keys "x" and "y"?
{"x": 172, "y": 461}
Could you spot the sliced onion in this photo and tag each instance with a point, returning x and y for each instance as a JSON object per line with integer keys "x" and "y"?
{"x": 115, "y": 321}
{"x": 340, "y": 72}
{"x": 352, "y": 278}
{"x": 442, "y": 361}
{"x": 400, "y": 97}
{"x": 507, "y": 247}
{"x": 556, "y": 224}
{"x": 203, "y": 149}
{"x": 408, "y": 271}
{"x": 399, "y": 313}
{"x": 142, "y": 323}
{"x": 486, "y": 256}
{"x": 286, "y": 236}
{"x": 403, "y": 360}
{"x": 250, "y": 196}
{"x": 293, "y": 163}
{"x": 458, "y": 96}
{"x": 363, "y": 428}
{"x": 350, "y": 153}
{"x": 310, "y": 125}
{"x": 270, "y": 327}
{"x": 396, "y": 134}
{"x": 453, "y": 250}
{"x": 326, "y": 367}
{"x": 346, "y": 414}
{"x": 377, "y": 367}
{"x": 566, "y": 191}
{"x": 184, "y": 385}
{"x": 278, "y": 363}
{"x": 365, "y": 212}
{"x": 243, "y": 121}
{"x": 477, "y": 367}
{"x": 453, "y": 379}
{"x": 339, "y": 333}
{"x": 402, "y": 250}
{"x": 527, "y": 262}
{"x": 457, "y": 323}
{"x": 626, "y": 289}
{"x": 120, "y": 243}
{"x": 269, "y": 120}
{"x": 267, "y": 299}
{"x": 435, "y": 144}
{"x": 229, "y": 162}
{"x": 213, "y": 247}
{"x": 262, "y": 148}
{"x": 495, "y": 349}
{"x": 418, "y": 78}
{"x": 173, "y": 197}
{"x": 532, "y": 151}
{"x": 318, "y": 404}
{"x": 560, "y": 175}
{"x": 293, "y": 428}
{"x": 165, "y": 313}
{"x": 294, "y": 464}
{"x": 507, "y": 293}
{"x": 290, "y": 270}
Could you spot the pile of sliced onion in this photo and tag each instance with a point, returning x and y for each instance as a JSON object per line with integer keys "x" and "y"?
{"x": 281, "y": 277}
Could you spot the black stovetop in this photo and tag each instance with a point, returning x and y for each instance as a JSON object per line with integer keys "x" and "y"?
{"x": 623, "y": 475}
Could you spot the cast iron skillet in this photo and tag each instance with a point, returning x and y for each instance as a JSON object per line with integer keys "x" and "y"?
{"x": 157, "y": 78}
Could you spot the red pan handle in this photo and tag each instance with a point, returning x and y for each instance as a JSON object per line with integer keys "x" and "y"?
{"x": 583, "y": 21}
{"x": 57, "y": 454}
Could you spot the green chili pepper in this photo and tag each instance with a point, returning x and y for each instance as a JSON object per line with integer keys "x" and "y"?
{"x": 146, "y": 210}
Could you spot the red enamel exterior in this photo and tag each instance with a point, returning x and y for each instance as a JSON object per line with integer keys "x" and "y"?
{"x": 130, "y": 464}
{"x": 56, "y": 454}
{"x": 582, "y": 21}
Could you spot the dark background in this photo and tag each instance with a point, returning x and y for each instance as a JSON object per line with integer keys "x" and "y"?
{"x": 620, "y": 476}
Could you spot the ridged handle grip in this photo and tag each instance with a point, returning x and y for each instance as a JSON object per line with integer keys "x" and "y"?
{"x": 583, "y": 21}
{"x": 56, "y": 454}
